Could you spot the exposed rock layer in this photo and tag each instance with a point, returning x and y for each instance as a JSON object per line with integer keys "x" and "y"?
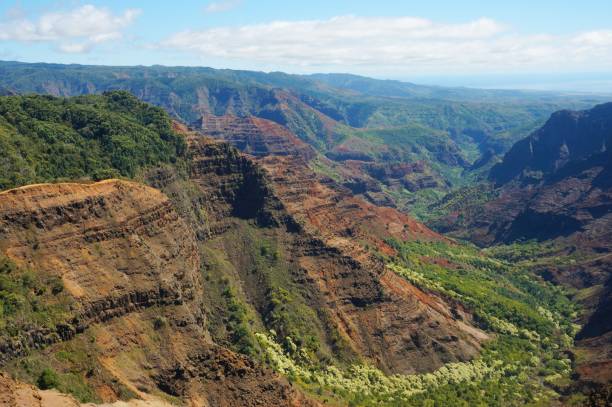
{"x": 327, "y": 232}
{"x": 129, "y": 260}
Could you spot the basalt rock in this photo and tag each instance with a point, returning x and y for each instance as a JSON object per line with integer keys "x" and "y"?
{"x": 328, "y": 232}
{"x": 554, "y": 185}
{"x": 132, "y": 266}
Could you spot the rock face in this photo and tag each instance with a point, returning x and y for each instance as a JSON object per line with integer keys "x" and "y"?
{"x": 379, "y": 312}
{"x": 135, "y": 262}
{"x": 556, "y": 185}
{"x": 411, "y": 176}
{"x": 567, "y": 136}
{"x": 49, "y": 227}
{"x": 555, "y": 182}
{"x": 254, "y": 136}
{"x": 132, "y": 266}
{"x": 327, "y": 232}
{"x": 131, "y": 260}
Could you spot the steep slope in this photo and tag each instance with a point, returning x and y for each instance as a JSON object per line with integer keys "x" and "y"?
{"x": 320, "y": 237}
{"x": 183, "y": 293}
{"x": 131, "y": 266}
{"x": 555, "y": 186}
{"x": 553, "y": 183}
{"x": 379, "y": 171}
{"x": 566, "y": 136}
{"x": 131, "y": 300}
{"x": 254, "y": 136}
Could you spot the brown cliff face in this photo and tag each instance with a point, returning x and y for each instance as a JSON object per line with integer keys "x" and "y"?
{"x": 132, "y": 266}
{"x": 66, "y": 229}
{"x": 385, "y": 317}
{"x": 260, "y": 138}
{"x": 327, "y": 234}
{"x": 254, "y": 136}
{"x": 132, "y": 259}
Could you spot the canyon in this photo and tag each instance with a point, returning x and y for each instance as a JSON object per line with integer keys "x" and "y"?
{"x": 256, "y": 244}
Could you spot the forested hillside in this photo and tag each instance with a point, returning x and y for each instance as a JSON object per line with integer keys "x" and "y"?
{"x": 91, "y": 137}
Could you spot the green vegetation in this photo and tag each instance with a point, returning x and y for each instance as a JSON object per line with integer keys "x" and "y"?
{"x": 267, "y": 300}
{"x": 416, "y": 203}
{"x": 488, "y": 286}
{"x": 391, "y": 121}
{"x": 237, "y": 324}
{"x": 29, "y": 301}
{"x": 94, "y": 137}
{"x": 48, "y": 379}
{"x": 89, "y": 137}
{"x": 459, "y": 198}
{"x": 35, "y": 303}
{"x": 524, "y": 362}
{"x": 532, "y": 253}
{"x": 73, "y": 368}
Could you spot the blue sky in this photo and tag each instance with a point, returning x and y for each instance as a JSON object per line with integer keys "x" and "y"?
{"x": 476, "y": 43}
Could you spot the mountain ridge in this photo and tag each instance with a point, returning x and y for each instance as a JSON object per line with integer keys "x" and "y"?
{"x": 554, "y": 187}
{"x": 328, "y": 118}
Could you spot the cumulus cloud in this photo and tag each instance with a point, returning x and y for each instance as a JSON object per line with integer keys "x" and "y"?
{"x": 220, "y": 6}
{"x": 75, "y": 31}
{"x": 392, "y": 44}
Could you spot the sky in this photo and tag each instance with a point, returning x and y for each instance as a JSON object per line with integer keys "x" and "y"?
{"x": 536, "y": 44}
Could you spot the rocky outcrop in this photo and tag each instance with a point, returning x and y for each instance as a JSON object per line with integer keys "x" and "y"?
{"x": 254, "y": 136}
{"x": 51, "y": 227}
{"x": 132, "y": 267}
{"x": 328, "y": 234}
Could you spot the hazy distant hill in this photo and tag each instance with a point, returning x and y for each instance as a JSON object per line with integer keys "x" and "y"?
{"x": 344, "y": 117}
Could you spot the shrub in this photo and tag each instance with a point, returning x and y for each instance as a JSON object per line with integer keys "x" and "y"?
{"x": 48, "y": 379}
{"x": 159, "y": 323}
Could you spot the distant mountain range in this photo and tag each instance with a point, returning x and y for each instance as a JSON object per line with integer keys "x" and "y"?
{"x": 343, "y": 117}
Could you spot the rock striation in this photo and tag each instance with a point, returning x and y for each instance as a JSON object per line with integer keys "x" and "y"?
{"x": 329, "y": 234}
{"x": 132, "y": 266}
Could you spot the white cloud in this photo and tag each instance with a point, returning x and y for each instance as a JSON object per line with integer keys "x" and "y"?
{"x": 75, "y": 47}
{"x": 393, "y": 44}
{"x": 220, "y": 6}
{"x": 601, "y": 38}
{"x": 74, "y": 31}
